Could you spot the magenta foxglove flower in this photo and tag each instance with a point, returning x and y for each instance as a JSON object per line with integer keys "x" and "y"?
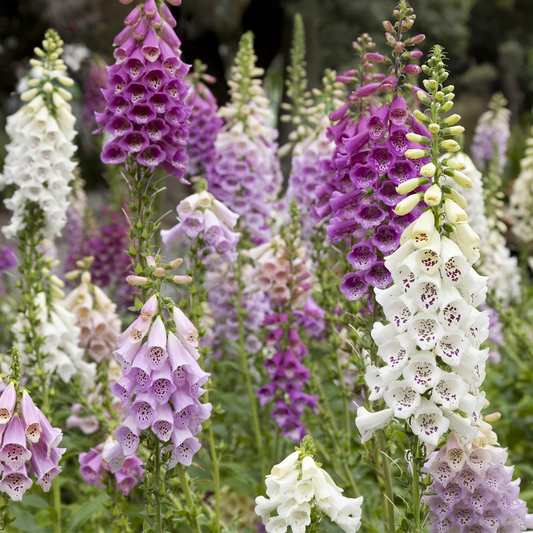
{"x": 146, "y": 113}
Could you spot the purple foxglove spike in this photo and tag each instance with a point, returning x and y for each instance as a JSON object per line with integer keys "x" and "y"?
{"x": 339, "y": 113}
{"x": 151, "y": 156}
{"x": 343, "y": 205}
{"x": 156, "y": 21}
{"x": 369, "y": 215}
{"x": 381, "y": 159}
{"x": 401, "y": 171}
{"x": 150, "y": 8}
{"x": 160, "y": 103}
{"x": 45, "y": 469}
{"x": 113, "y": 456}
{"x": 140, "y": 371}
{"x": 170, "y": 37}
{"x": 294, "y": 431}
{"x": 167, "y": 16}
{"x": 290, "y": 365}
{"x": 133, "y": 142}
{"x": 300, "y": 399}
{"x": 143, "y": 410}
{"x": 213, "y": 230}
{"x": 123, "y": 52}
{"x": 266, "y": 393}
{"x": 364, "y": 177}
{"x": 30, "y": 418}
{"x": 15, "y": 484}
{"x": 123, "y": 36}
{"x": 353, "y": 286}
{"x": 362, "y": 256}
{"x": 133, "y": 17}
{"x": 127, "y": 435}
{"x": 168, "y": 236}
{"x": 162, "y": 384}
{"x": 281, "y": 413}
{"x": 163, "y": 424}
{"x": 7, "y": 403}
{"x": 150, "y": 47}
{"x": 113, "y": 154}
{"x": 125, "y": 482}
{"x": 386, "y": 239}
{"x": 378, "y": 275}
{"x": 398, "y": 113}
{"x": 157, "y": 344}
{"x": 123, "y": 389}
{"x": 141, "y": 114}
{"x": 135, "y": 65}
{"x": 338, "y": 229}
{"x": 135, "y": 92}
{"x": 388, "y": 195}
{"x": 119, "y": 105}
{"x": 389, "y": 83}
{"x": 14, "y": 452}
{"x": 139, "y": 31}
{"x": 368, "y": 90}
{"x": 377, "y": 123}
{"x": 185, "y": 328}
{"x": 356, "y": 143}
{"x": 93, "y": 470}
{"x": 171, "y": 61}
{"x": 50, "y": 436}
{"x": 294, "y": 340}
{"x": 155, "y": 130}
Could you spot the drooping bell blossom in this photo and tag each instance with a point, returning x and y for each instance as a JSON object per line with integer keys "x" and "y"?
{"x": 38, "y": 162}
{"x": 93, "y": 98}
{"x": 29, "y": 445}
{"x": 146, "y": 113}
{"x": 204, "y": 128}
{"x": 492, "y": 134}
{"x": 246, "y": 175}
{"x": 202, "y": 216}
{"x": 96, "y": 317}
{"x": 496, "y": 336}
{"x": 161, "y": 383}
{"x": 298, "y": 485}
{"x": 473, "y": 488}
{"x": 310, "y": 167}
{"x": 106, "y": 460}
{"x": 496, "y": 260}
{"x": 521, "y": 200}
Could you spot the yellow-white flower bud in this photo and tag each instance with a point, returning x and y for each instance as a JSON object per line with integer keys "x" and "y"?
{"x": 428, "y": 170}
{"x": 458, "y": 198}
{"x": 408, "y": 186}
{"x": 407, "y": 205}
{"x": 159, "y": 272}
{"x": 434, "y": 128}
{"x": 67, "y": 82}
{"x": 48, "y": 87}
{"x": 492, "y": 417}
{"x": 137, "y": 280}
{"x": 455, "y": 130}
{"x": 451, "y": 120}
{"x": 415, "y": 138}
{"x": 421, "y": 117}
{"x": 455, "y": 214}
{"x": 28, "y": 95}
{"x": 469, "y": 237}
{"x": 150, "y": 261}
{"x": 64, "y": 94}
{"x": 38, "y": 52}
{"x": 462, "y": 179}
{"x": 444, "y": 108}
{"x": 416, "y": 153}
{"x": 423, "y": 229}
{"x": 181, "y": 280}
{"x": 421, "y": 95}
{"x": 56, "y": 292}
{"x": 433, "y": 195}
{"x": 56, "y": 281}
{"x": 450, "y": 145}
{"x": 455, "y": 164}
{"x": 36, "y": 63}
{"x": 86, "y": 277}
{"x": 73, "y": 274}
{"x": 175, "y": 263}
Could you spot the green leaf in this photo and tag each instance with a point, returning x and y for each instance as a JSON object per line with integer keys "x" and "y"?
{"x": 31, "y": 500}
{"x": 24, "y": 520}
{"x": 85, "y": 512}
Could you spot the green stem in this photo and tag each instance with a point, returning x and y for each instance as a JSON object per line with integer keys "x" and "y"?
{"x": 158, "y": 513}
{"x": 416, "y": 487}
{"x": 216, "y": 472}
{"x": 57, "y": 504}
{"x": 244, "y": 365}
{"x": 195, "y": 525}
{"x": 389, "y": 493}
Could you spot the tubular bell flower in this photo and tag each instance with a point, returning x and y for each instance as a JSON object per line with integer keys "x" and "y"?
{"x": 38, "y": 161}
{"x": 431, "y": 345}
{"x": 146, "y": 113}
{"x": 246, "y": 176}
{"x": 297, "y": 485}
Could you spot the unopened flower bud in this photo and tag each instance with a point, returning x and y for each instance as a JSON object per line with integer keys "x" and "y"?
{"x": 444, "y": 108}
{"x": 399, "y": 47}
{"x": 423, "y": 229}
{"x": 416, "y": 153}
{"x": 415, "y": 138}
{"x": 35, "y": 62}
{"x": 439, "y": 95}
{"x": 67, "y": 82}
{"x": 388, "y": 26}
{"x": 159, "y": 272}
{"x": 455, "y": 214}
{"x": 421, "y": 117}
{"x": 428, "y": 170}
{"x": 434, "y": 128}
{"x": 174, "y": 263}
{"x": 181, "y": 280}
{"x": 73, "y": 274}
{"x": 421, "y": 95}
{"x": 38, "y": 52}
{"x": 462, "y": 179}
{"x": 467, "y": 235}
{"x": 492, "y": 417}
{"x": 64, "y": 94}
{"x": 28, "y": 95}
{"x": 433, "y": 195}
{"x": 458, "y": 198}
{"x": 417, "y": 38}
{"x": 407, "y": 205}
{"x": 455, "y": 130}
{"x": 56, "y": 292}
{"x": 150, "y": 261}
{"x": 86, "y": 277}
{"x": 408, "y": 186}
{"x": 80, "y": 263}
{"x": 450, "y": 145}
{"x": 56, "y": 281}
{"x": 456, "y": 164}
{"x": 48, "y": 87}
{"x": 137, "y": 280}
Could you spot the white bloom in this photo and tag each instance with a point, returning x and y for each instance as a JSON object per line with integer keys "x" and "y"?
{"x": 367, "y": 422}
{"x": 429, "y": 423}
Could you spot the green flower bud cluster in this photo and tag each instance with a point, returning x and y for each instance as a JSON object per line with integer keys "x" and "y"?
{"x": 49, "y": 84}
